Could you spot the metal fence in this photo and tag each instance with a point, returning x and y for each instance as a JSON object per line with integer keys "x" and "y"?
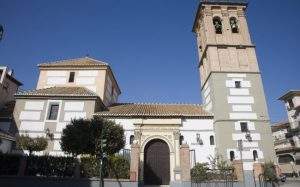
{"x": 125, "y": 153}
{"x": 192, "y": 158}
{"x": 215, "y": 178}
{"x": 263, "y": 182}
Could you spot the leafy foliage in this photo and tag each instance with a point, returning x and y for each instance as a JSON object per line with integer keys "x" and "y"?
{"x": 200, "y": 172}
{"x": 89, "y": 166}
{"x": 83, "y": 136}
{"x": 118, "y": 167}
{"x": 31, "y": 144}
{"x": 216, "y": 169}
{"x": 270, "y": 172}
{"x": 50, "y": 166}
{"x": 76, "y": 137}
{"x": 115, "y": 167}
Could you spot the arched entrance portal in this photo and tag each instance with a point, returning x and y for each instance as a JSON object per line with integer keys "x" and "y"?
{"x": 157, "y": 163}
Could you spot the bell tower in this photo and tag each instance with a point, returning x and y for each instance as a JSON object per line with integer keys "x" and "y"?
{"x": 231, "y": 84}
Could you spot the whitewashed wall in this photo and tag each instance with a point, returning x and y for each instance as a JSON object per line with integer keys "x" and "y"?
{"x": 190, "y": 128}
{"x": 128, "y": 127}
{"x": 33, "y": 119}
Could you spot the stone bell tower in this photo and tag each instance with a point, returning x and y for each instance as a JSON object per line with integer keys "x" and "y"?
{"x": 231, "y": 82}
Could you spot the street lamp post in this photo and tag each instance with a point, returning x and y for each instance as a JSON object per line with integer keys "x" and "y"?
{"x": 240, "y": 148}
{"x": 1, "y": 32}
{"x": 101, "y": 157}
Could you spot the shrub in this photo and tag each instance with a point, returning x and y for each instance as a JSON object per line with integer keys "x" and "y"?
{"x": 89, "y": 167}
{"x": 118, "y": 167}
{"x": 50, "y": 166}
{"x": 113, "y": 167}
{"x": 9, "y": 164}
{"x": 269, "y": 172}
{"x": 200, "y": 172}
{"x": 31, "y": 144}
{"x": 216, "y": 169}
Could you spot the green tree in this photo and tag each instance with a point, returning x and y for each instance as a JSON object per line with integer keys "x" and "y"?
{"x": 83, "y": 136}
{"x": 31, "y": 144}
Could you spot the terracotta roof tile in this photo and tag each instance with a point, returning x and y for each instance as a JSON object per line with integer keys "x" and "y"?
{"x": 58, "y": 91}
{"x": 154, "y": 110}
{"x": 77, "y": 62}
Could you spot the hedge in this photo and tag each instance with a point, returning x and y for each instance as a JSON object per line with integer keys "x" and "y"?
{"x": 9, "y": 164}
{"x": 113, "y": 167}
{"x": 201, "y": 173}
{"x": 50, "y": 166}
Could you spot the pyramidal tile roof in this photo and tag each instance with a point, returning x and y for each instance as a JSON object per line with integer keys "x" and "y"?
{"x": 59, "y": 91}
{"x": 155, "y": 110}
{"x": 76, "y": 62}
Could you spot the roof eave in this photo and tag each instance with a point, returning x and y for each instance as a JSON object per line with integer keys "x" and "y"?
{"x": 289, "y": 94}
{"x": 14, "y": 80}
{"x": 151, "y": 116}
{"x": 20, "y": 96}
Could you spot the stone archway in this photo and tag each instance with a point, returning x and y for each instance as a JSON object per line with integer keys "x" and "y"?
{"x": 156, "y": 163}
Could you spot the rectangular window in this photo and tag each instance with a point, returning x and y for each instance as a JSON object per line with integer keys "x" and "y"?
{"x": 244, "y": 127}
{"x": 71, "y": 77}
{"x": 53, "y": 111}
{"x": 237, "y": 84}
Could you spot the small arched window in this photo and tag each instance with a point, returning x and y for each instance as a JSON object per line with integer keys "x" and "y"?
{"x": 181, "y": 139}
{"x": 218, "y": 25}
{"x": 255, "y": 155}
{"x": 232, "y": 156}
{"x": 131, "y": 139}
{"x": 212, "y": 140}
{"x": 234, "y": 25}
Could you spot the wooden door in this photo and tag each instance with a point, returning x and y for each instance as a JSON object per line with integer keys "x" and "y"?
{"x": 157, "y": 163}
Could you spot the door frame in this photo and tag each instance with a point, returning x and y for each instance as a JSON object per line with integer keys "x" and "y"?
{"x": 171, "y": 150}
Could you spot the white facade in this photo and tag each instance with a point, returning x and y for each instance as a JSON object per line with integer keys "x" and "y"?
{"x": 189, "y": 129}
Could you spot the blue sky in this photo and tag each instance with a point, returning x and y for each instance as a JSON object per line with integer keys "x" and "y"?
{"x": 149, "y": 44}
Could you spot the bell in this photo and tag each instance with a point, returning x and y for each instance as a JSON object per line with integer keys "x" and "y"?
{"x": 234, "y": 26}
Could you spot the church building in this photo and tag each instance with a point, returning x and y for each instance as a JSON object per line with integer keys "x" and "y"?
{"x": 166, "y": 140}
